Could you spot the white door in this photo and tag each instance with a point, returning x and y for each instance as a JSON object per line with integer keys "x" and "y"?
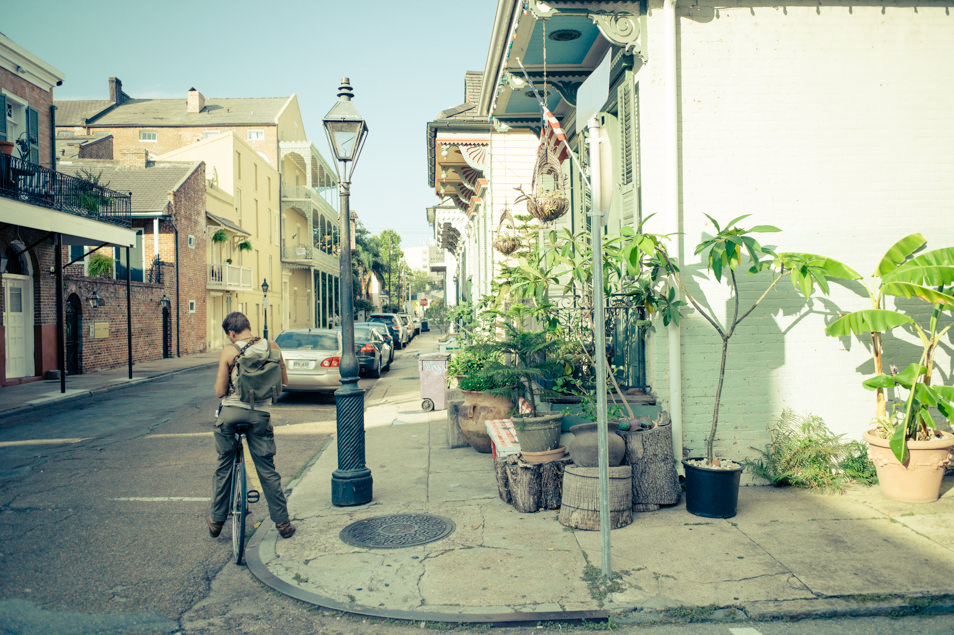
{"x": 18, "y": 323}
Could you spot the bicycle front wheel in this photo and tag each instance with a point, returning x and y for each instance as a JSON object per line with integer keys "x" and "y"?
{"x": 239, "y": 510}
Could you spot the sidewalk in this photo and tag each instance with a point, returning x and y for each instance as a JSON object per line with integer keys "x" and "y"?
{"x": 788, "y": 553}
{"x": 21, "y": 399}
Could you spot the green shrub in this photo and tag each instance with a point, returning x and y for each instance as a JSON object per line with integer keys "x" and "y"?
{"x": 804, "y": 452}
{"x": 100, "y": 266}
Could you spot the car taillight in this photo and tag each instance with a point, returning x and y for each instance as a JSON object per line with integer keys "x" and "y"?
{"x": 367, "y": 348}
{"x": 331, "y": 362}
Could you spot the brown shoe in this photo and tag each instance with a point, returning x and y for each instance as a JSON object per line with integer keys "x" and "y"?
{"x": 215, "y": 528}
{"x": 285, "y": 529}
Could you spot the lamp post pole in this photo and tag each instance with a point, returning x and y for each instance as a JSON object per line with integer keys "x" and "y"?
{"x": 265, "y": 306}
{"x": 351, "y": 483}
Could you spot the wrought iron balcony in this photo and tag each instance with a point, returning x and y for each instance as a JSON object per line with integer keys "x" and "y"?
{"x": 38, "y": 185}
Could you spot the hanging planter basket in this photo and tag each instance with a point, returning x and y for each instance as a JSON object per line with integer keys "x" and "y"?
{"x": 546, "y": 205}
{"x": 506, "y": 241}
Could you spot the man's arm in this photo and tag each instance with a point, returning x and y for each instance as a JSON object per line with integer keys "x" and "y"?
{"x": 222, "y": 376}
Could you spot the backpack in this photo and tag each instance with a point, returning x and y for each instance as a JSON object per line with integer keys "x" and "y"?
{"x": 258, "y": 378}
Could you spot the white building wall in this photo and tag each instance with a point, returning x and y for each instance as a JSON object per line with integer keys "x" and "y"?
{"x": 832, "y": 123}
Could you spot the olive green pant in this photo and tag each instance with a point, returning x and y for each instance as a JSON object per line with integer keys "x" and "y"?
{"x": 261, "y": 445}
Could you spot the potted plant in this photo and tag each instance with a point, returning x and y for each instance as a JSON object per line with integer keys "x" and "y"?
{"x": 712, "y": 483}
{"x": 220, "y": 236}
{"x": 100, "y": 266}
{"x": 482, "y": 398}
{"x": 908, "y": 450}
{"x": 531, "y": 355}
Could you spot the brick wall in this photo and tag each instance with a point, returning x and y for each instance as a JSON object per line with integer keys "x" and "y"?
{"x": 188, "y": 209}
{"x": 98, "y": 149}
{"x": 40, "y": 100}
{"x": 795, "y": 116}
{"x": 172, "y": 138}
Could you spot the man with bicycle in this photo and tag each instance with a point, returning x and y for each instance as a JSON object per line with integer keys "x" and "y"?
{"x": 261, "y": 436}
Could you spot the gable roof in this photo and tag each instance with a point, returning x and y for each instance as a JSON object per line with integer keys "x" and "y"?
{"x": 76, "y": 112}
{"x": 150, "y": 186}
{"x": 172, "y": 112}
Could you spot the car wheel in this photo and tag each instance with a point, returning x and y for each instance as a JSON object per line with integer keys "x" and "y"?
{"x": 376, "y": 371}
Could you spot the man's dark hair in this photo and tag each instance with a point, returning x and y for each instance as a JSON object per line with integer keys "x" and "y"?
{"x": 235, "y": 322}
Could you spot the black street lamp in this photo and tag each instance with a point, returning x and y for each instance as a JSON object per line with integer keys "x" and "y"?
{"x": 351, "y": 482}
{"x": 265, "y": 306}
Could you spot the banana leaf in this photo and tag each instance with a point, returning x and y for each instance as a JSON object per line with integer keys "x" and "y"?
{"x": 867, "y": 321}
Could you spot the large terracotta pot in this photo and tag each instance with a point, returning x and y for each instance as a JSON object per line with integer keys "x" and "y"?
{"x": 477, "y": 409}
{"x": 918, "y": 480}
{"x": 538, "y": 433}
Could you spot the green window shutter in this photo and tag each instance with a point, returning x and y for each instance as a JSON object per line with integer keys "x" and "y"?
{"x": 33, "y": 132}
{"x": 628, "y": 174}
{"x": 3, "y": 117}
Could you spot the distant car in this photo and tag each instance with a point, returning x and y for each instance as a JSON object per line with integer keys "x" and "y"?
{"x": 406, "y": 321}
{"x": 312, "y": 358}
{"x": 388, "y": 353}
{"x": 395, "y": 325}
{"x": 416, "y": 323}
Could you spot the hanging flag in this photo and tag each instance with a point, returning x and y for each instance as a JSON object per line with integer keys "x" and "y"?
{"x": 552, "y": 135}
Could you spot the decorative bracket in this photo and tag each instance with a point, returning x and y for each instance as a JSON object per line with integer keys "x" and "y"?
{"x": 621, "y": 29}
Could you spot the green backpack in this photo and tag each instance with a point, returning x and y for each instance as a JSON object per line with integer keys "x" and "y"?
{"x": 258, "y": 378}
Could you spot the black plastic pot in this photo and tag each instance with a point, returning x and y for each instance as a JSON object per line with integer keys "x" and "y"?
{"x": 712, "y": 492}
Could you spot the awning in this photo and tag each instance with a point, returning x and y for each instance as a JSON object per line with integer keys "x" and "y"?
{"x": 75, "y": 229}
{"x": 224, "y": 222}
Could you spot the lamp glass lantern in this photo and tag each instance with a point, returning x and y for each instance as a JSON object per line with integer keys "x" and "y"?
{"x": 264, "y": 285}
{"x": 346, "y": 131}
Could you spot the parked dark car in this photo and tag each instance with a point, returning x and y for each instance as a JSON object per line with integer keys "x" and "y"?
{"x": 395, "y": 327}
{"x": 369, "y": 348}
{"x": 388, "y": 353}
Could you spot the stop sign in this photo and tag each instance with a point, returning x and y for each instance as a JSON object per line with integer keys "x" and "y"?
{"x": 423, "y": 301}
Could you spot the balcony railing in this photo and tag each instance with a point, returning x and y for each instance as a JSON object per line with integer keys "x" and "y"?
{"x": 229, "y": 277}
{"x": 38, "y": 185}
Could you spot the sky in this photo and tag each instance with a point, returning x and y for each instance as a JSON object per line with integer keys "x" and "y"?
{"x": 406, "y": 63}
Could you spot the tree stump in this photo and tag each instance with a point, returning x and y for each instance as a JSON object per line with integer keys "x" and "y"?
{"x": 530, "y": 487}
{"x": 580, "y": 508}
{"x": 455, "y": 438}
{"x": 649, "y": 451}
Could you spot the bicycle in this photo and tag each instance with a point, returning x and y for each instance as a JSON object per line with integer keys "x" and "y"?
{"x": 239, "y": 494}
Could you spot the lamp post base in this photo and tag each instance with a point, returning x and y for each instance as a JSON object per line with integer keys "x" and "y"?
{"x": 351, "y": 487}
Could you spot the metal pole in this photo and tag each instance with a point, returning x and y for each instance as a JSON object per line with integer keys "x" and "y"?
{"x": 390, "y": 302}
{"x": 60, "y": 335}
{"x": 351, "y": 483}
{"x": 599, "y": 337}
{"x": 129, "y": 355}
{"x": 265, "y": 312}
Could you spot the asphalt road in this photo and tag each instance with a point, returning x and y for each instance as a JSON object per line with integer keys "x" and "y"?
{"x": 102, "y": 508}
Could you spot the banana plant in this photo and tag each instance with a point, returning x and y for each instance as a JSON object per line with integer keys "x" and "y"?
{"x": 928, "y": 277}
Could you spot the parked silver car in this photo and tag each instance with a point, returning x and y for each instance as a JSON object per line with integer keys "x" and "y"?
{"x": 312, "y": 357}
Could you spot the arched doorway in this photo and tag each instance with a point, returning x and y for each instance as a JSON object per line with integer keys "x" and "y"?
{"x": 17, "y": 310}
{"x": 74, "y": 335}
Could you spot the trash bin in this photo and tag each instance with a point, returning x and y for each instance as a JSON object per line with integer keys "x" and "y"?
{"x": 433, "y": 370}
{"x": 424, "y": 327}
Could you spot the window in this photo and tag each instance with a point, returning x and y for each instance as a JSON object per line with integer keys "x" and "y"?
{"x": 191, "y": 306}
{"x": 255, "y": 135}
{"x": 255, "y": 166}
{"x": 146, "y": 135}
{"x": 191, "y": 241}
{"x": 238, "y": 165}
{"x": 210, "y": 133}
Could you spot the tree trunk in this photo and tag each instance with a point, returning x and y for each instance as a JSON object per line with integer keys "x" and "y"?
{"x": 655, "y": 481}
{"x": 530, "y": 487}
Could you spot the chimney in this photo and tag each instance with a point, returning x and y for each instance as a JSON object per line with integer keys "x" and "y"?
{"x": 133, "y": 158}
{"x": 195, "y": 101}
{"x": 115, "y": 90}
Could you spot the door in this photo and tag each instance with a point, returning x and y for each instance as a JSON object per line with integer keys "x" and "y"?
{"x": 18, "y": 322}
{"x": 74, "y": 335}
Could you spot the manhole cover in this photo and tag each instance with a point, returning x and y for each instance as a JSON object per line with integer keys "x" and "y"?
{"x": 397, "y": 530}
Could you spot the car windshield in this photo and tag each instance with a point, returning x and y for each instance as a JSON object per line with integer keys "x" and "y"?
{"x": 362, "y": 332}
{"x": 307, "y": 341}
{"x": 380, "y": 318}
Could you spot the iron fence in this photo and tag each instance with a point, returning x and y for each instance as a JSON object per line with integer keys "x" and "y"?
{"x": 38, "y": 185}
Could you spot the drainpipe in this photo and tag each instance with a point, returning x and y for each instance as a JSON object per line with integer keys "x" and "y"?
{"x": 671, "y": 180}
{"x": 178, "y": 312}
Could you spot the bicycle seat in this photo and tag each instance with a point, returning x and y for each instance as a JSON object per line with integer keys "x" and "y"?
{"x": 242, "y": 428}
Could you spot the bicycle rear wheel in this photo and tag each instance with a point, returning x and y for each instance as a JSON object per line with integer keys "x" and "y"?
{"x": 239, "y": 510}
